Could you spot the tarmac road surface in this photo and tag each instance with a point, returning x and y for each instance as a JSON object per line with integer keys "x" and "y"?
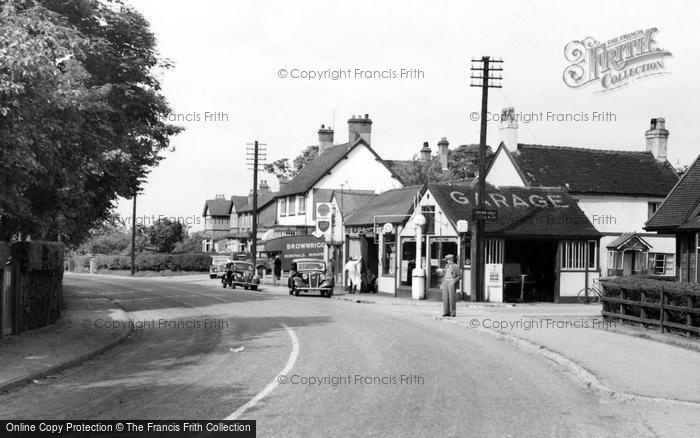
{"x": 203, "y": 352}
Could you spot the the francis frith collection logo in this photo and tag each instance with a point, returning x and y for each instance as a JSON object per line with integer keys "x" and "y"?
{"x": 616, "y": 62}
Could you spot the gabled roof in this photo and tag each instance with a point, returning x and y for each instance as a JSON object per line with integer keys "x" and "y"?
{"x": 597, "y": 171}
{"x": 629, "y": 241}
{"x": 323, "y": 165}
{"x": 681, "y": 208}
{"x": 522, "y": 211}
{"x": 351, "y": 201}
{"x": 238, "y": 202}
{"x": 392, "y": 206}
{"x": 217, "y": 207}
{"x": 263, "y": 200}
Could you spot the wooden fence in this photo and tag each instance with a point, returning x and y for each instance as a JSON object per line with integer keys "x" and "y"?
{"x": 667, "y": 307}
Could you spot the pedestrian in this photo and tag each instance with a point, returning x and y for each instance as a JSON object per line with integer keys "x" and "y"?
{"x": 353, "y": 268}
{"x": 451, "y": 277}
{"x": 276, "y": 270}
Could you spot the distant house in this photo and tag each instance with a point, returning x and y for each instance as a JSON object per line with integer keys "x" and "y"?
{"x": 350, "y": 166}
{"x": 267, "y": 217}
{"x": 679, "y": 214}
{"x": 217, "y": 219}
{"x": 617, "y": 190}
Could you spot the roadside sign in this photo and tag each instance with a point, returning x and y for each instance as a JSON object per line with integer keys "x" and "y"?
{"x": 462, "y": 226}
{"x": 488, "y": 215}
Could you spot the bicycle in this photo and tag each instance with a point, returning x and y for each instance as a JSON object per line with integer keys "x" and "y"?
{"x": 590, "y": 295}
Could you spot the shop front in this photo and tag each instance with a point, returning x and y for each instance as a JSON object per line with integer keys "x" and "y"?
{"x": 540, "y": 247}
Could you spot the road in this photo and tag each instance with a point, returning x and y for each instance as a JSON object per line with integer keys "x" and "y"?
{"x": 398, "y": 372}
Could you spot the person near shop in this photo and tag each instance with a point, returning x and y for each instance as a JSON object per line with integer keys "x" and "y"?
{"x": 354, "y": 274}
{"x": 450, "y": 280}
{"x": 276, "y": 270}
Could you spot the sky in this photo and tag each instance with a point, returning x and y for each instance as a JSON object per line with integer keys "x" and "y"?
{"x": 227, "y": 90}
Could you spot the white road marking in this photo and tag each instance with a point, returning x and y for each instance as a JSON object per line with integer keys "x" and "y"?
{"x": 272, "y": 385}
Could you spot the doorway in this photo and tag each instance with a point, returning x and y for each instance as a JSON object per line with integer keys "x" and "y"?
{"x": 529, "y": 270}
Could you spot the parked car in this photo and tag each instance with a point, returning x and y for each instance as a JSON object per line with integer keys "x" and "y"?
{"x": 240, "y": 274}
{"x": 218, "y": 266}
{"x": 310, "y": 276}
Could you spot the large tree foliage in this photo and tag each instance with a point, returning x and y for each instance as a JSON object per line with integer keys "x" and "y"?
{"x": 462, "y": 164}
{"x": 282, "y": 169}
{"x": 81, "y": 114}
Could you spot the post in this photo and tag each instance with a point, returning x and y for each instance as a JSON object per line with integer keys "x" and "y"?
{"x": 254, "y": 237}
{"x": 418, "y": 274}
{"x": 133, "y": 236}
{"x": 662, "y": 316}
{"x": 478, "y": 249}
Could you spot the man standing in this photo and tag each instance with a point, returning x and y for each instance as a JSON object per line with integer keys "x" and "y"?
{"x": 353, "y": 269}
{"x": 276, "y": 270}
{"x": 450, "y": 280}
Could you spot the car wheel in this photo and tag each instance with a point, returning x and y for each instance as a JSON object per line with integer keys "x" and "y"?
{"x": 329, "y": 294}
{"x": 254, "y": 288}
{"x": 296, "y": 293}
{"x": 233, "y": 285}
{"x": 223, "y": 285}
{"x": 212, "y": 276}
{"x": 291, "y": 291}
{"x": 245, "y": 287}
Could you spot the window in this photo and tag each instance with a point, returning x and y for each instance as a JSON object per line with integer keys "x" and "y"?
{"x": 614, "y": 260}
{"x": 429, "y": 212}
{"x": 579, "y": 255}
{"x": 282, "y": 206}
{"x": 662, "y": 264}
{"x": 389, "y": 256}
{"x": 653, "y": 206}
{"x": 301, "y": 199}
{"x": 494, "y": 250}
{"x": 292, "y": 206}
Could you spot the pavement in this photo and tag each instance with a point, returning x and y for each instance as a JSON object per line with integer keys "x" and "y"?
{"x": 39, "y": 354}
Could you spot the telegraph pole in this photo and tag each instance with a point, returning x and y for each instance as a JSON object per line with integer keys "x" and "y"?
{"x": 133, "y": 236}
{"x": 484, "y": 67}
{"x": 253, "y": 157}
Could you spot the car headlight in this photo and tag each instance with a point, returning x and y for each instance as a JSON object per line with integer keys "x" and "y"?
{"x": 305, "y": 276}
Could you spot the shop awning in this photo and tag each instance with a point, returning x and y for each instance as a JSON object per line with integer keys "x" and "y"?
{"x": 521, "y": 211}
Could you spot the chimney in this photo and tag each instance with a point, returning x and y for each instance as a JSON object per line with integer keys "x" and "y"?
{"x": 250, "y": 196}
{"x": 359, "y": 127}
{"x": 444, "y": 152}
{"x": 220, "y": 196}
{"x": 509, "y": 128}
{"x": 283, "y": 183}
{"x": 657, "y": 139}
{"x": 325, "y": 138}
{"x": 425, "y": 152}
{"x": 263, "y": 187}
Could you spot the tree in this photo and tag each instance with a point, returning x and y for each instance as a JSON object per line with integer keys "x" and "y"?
{"x": 283, "y": 170}
{"x": 81, "y": 114}
{"x": 462, "y": 164}
{"x": 191, "y": 243}
{"x": 164, "y": 234}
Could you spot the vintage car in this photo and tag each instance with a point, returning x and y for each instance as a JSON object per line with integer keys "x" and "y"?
{"x": 240, "y": 274}
{"x": 217, "y": 269}
{"x": 310, "y": 276}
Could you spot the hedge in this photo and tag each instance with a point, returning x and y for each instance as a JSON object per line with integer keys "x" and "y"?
{"x": 145, "y": 262}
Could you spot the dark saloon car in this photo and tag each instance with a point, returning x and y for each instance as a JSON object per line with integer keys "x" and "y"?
{"x": 310, "y": 276}
{"x": 240, "y": 274}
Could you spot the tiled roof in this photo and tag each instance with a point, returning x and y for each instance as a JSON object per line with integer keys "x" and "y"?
{"x": 321, "y": 166}
{"x": 263, "y": 200}
{"x": 316, "y": 169}
{"x": 681, "y": 208}
{"x": 522, "y": 212}
{"x": 217, "y": 207}
{"x": 238, "y": 202}
{"x": 584, "y": 170}
{"x": 398, "y": 202}
{"x": 350, "y": 202}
